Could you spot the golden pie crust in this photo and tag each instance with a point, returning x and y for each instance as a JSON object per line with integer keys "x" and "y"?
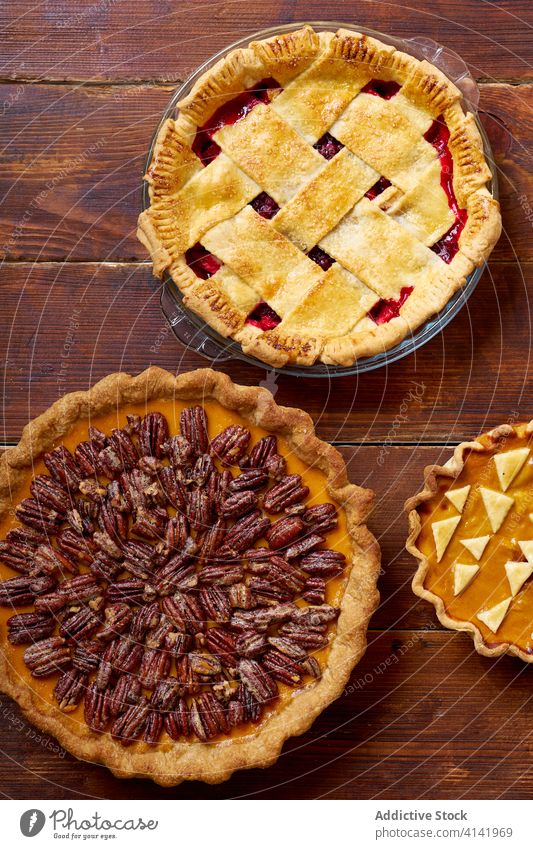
{"x": 470, "y": 529}
{"x": 106, "y": 403}
{"x": 379, "y": 246}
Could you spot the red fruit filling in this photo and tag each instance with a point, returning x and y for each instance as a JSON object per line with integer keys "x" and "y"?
{"x": 263, "y": 317}
{"x": 202, "y": 262}
{"x": 385, "y": 309}
{"x": 377, "y": 188}
{"x": 438, "y": 135}
{"x": 328, "y": 146}
{"x": 204, "y": 146}
{"x": 382, "y": 88}
{"x": 321, "y": 258}
{"x": 265, "y": 205}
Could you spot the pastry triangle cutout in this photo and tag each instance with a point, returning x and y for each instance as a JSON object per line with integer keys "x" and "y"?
{"x": 527, "y": 548}
{"x": 458, "y": 497}
{"x": 443, "y": 532}
{"x": 476, "y": 545}
{"x": 494, "y": 616}
{"x": 463, "y": 573}
{"x": 497, "y": 506}
{"x": 517, "y": 574}
{"x": 509, "y": 464}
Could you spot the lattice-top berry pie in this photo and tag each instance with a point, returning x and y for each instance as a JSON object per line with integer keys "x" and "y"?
{"x": 186, "y": 575}
{"x": 472, "y": 532}
{"x": 319, "y": 197}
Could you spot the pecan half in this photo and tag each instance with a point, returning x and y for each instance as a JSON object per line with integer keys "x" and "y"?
{"x": 76, "y": 547}
{"x": 286, "y": 493}
{"x": 199, "y": 509}
{"x": 263, "y": 449}
{"x": 251, "y": 479}
{"x": 17, "y": 555}
{"x": 282, "y": 667}
{"x": 284, "y": 531}
{"x": 138, "y": 559}
{"x": 314, "y": 590}
{"x": 145, "y": 619}
{"x": 96, "y": 708}
{"x": 106, "y": 567}
{"x": 275, "y": 466}
{"x": 24, "y": 590}
{"x": 257, "y": 680}
{"x": 70, "y": 689}
{"x": 173, "y": 488}
{"x": 150, "y": 524}
{"x": 130, "y": 590}
{"x": 178, "y": 574}
{"x": 153, "y": 434}
{"x": 222, "y": 574}
{"x": 177, "y": 533}
{"x": 63, "y": 467}
{"x": 47, "y": 657}
{"x": 243, "y": 534}
{"x": 324, "y": 563}
{"x": 221, "y": 644}
{"x": 187, "y": 608}
{"x": 86, "y": 656}
{"x": 127, "y": 692}
{"x": 231, "y": 444}
{"x": 29, "y": 627}
{"x": 80, "y": 624}
{"x": 303, "y": 546}
{"x": 212, "y": 540}
{"x": 216, "y": 603}
{"x": 153, "y": 727}
{"x": 251, "y": 643}
{"x": 129, "y": 727}
{"x": 239, "y": 504}
{"x": 207, "y": 718}
{"x": 310, "y": 616}
{"x": 193, "y": 424}
{"x": 177, "y": 722}
{"x": 49, "y": 493}
{"x": 321, "y": 518}
{"x": 166, "y": 694}
{"x": 34, "y": 514}
{"x": 288, "y": 647}
{"x": 202, "y": 470}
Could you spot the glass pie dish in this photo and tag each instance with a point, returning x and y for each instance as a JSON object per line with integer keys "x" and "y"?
{"x": 193, "y": 331}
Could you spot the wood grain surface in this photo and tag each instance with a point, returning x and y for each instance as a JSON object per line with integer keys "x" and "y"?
{"x": 81, "y": 90}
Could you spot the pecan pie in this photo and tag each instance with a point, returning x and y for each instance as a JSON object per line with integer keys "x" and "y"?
{"x": 186, "y": 574}
{"x": 471, "y": 529}
{"x": 319, "y": 197}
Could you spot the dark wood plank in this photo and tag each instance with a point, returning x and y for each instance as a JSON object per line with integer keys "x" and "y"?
{"x": 469, "y": 378}
{"x": 424, "y": 717}
{"x": 74, "y": 159}
{"x": 150, "y": 40}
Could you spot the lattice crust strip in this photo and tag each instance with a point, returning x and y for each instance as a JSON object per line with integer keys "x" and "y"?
{"x": 345, "y": 193}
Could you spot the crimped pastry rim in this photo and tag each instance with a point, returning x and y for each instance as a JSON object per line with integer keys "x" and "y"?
{"x": 278, "y": 348}
{"x": 452, "y": 469}
{"x": 211, "y": 763}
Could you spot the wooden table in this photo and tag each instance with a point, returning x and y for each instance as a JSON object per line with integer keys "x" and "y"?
{"x": 82, "y": 86}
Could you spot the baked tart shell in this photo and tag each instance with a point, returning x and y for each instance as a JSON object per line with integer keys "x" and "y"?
{"x": 214, "y": 761}
{"x": 469, "y": 471}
